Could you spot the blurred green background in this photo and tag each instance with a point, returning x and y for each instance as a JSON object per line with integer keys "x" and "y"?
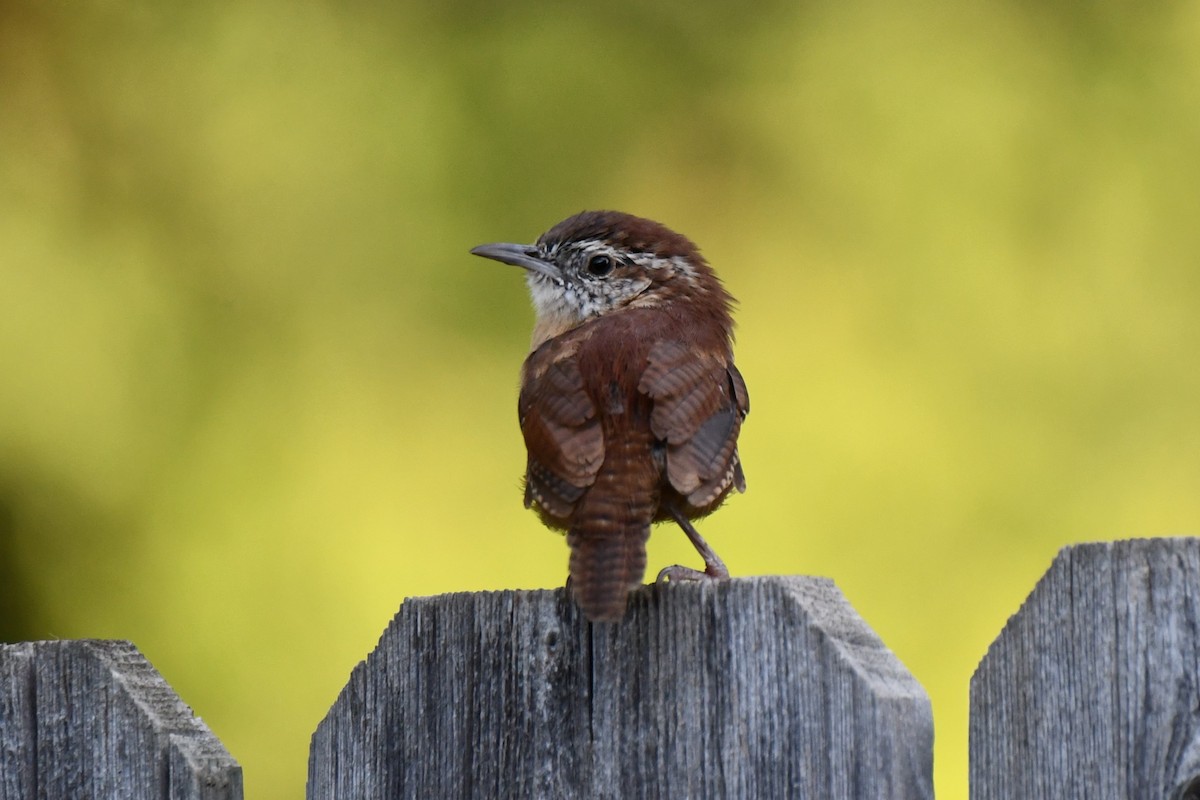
{"x": 254, "y": 391}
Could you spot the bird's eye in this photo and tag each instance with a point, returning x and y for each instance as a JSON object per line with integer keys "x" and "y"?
{"x": 600, "y": 265}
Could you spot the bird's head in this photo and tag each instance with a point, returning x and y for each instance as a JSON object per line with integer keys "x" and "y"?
{"x": 598, "y": 262}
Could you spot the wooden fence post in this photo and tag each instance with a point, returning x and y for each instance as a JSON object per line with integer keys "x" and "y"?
{"x": 755, "y": 687}
{"x": 1093, "y": 687}
{"x": 86, "y": 718}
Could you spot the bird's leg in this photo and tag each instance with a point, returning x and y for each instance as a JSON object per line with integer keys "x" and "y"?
{"x": 714, "y": 567}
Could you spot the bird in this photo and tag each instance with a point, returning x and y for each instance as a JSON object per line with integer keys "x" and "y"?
{"x": 630, "y": 404}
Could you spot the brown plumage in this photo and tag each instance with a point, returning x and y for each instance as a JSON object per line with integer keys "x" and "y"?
{"x": 630, "y": 403}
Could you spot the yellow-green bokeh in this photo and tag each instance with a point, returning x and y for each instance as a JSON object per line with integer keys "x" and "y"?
{"x": 253, "y": 390}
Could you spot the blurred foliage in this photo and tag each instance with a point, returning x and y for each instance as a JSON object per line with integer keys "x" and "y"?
{"x": 255, "y": 391}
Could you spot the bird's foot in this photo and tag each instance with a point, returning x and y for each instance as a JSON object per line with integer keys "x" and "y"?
{"x": 713, "y": 572}
{"x": 714, "y": 567}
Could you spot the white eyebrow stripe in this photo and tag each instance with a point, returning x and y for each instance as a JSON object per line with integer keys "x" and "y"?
{"x": 646, "y": 260}
{"x": 598, "y": 247}
{"x": 676, "y": 263}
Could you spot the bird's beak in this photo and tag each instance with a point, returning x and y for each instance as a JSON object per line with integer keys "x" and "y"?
{"x": 519, "y": 255}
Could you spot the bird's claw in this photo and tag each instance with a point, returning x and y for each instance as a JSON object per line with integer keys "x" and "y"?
{"x": 713, "y": 572}
{"x": 714, "y": 567}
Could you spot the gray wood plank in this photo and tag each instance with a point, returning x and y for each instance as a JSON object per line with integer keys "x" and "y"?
{"x": 755, "y": 687}
{"x": 88, "y": 718}
{"x": 18, "y": 723}
{"x": 1093, "y": 687}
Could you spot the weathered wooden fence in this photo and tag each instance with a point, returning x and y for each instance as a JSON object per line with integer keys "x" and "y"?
{"x": 760, "y": 687}
{"x": 756, "y": 687}
{"x": 93, "y": 719}
{"x": 1092, "y": 690}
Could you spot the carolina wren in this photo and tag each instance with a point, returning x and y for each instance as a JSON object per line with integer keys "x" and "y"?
{"x": 630, "y": 404}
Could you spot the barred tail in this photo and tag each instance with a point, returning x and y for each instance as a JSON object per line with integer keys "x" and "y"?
{"x": 608, "y": 558}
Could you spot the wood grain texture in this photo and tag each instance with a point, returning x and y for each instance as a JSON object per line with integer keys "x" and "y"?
{"x": 755, "y": 687}
{"x": 93, "y": 719}
{"x": 1093, "y": 687}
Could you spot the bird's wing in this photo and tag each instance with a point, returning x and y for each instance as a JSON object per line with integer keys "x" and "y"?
{"x": 699, "y": 403}
{"x": 563, "y": 436}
